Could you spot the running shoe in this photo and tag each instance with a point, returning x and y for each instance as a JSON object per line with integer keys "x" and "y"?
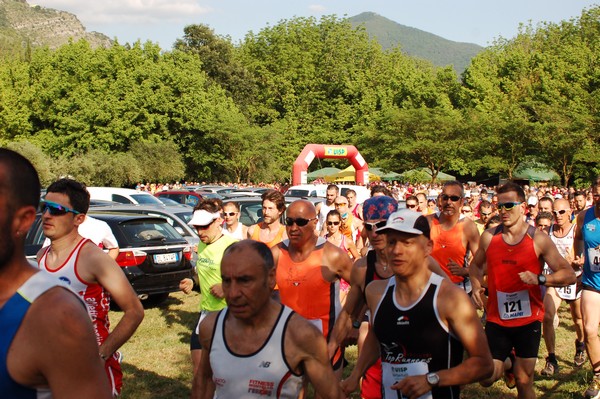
{"x": 580, "y": 355}
{"x": 593, "y": 391}
{"x": 551, "y": 368}
{"x": 509, "y": 374}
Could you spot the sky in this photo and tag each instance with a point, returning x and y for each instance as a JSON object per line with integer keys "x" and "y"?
{"x": 162, "y": 21}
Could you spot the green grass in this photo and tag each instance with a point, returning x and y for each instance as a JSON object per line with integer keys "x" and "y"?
{"x": 157, "y": 363}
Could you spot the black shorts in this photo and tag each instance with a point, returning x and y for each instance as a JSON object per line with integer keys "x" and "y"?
{"x": 525, "y": 339}
{"x": 195, "y": 338}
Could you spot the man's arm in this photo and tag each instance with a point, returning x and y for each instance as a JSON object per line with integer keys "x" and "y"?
{"x": 105, "y": 271}
{"x": 338, "y": 261}
{"x": 456, "y": 310}
{"x": 69, "y": 337}
{"x": 562, "y": 272}
{"x": 203, "y": 386}
{"x": 308, "y": 351}
{"x": 476, "y": 269}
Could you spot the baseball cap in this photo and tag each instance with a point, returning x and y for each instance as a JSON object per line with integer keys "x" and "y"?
{"x": 203, "y": 218}
{"x": 406, "y": 221}
{"x": 379, "y": 207}
{"x": 532, "y": 200}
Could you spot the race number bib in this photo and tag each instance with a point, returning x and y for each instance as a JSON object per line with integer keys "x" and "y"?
{"x": 392, "y": 373}
{"x": 513, "y": 305}
{"x": 594, "y": 259}
{"x": 568, "y": 293}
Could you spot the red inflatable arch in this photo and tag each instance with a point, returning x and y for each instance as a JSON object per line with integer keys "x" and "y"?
{"x": 312, "y": 151}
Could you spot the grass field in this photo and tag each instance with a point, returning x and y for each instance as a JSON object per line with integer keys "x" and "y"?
{"x": 156, "y": 360}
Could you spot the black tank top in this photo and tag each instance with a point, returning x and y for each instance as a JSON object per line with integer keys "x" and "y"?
{"x": 415, "y": 337}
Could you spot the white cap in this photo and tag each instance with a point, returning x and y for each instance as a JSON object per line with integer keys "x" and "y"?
{"x": 406, "y": 221}
{"x": 532, "y": 200}
{"x": 203, "y": 218}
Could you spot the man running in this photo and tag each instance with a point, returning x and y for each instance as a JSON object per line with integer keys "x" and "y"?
{"x": 513, "y": 253}
{"x": 421, "y": 322}
{"x": 232, "y": 226}
{"x": 562, "y": 234}
{"x": 256, "y": 347}
{"x": 47, "y": 342}
{"x": 270, "y": 230}
{"x": 587, "y": 249}
{"x": 90, "y": 272}
{"x": 455, "y": 239}
{"x": 323, "y": 208}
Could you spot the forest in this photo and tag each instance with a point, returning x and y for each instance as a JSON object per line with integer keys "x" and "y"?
{"x": 209, "y": 109}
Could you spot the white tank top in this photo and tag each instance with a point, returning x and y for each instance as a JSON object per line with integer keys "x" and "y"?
{"x": 238, "y": 233}
{"x": 264, "y": 373}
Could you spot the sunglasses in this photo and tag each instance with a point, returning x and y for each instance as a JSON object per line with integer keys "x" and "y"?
{"x": 333, "y": 223}
{"x": 507, "y": 205}
{"x": 300, "y": 222}
{"x": 206, "y": 226}
{"x": 375, "y": 226}
{"x": 229, "y": 213}
{"x": 341, "y": 204}
{"x": 56, "y": 209}
{"x": 561, "y": 212}
{"x": 453, "y": 198}
{"x": 411, "y": 206}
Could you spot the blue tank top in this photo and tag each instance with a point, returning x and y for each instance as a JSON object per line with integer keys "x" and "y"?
{"x": 590, "y": 231}
{"x": 11, "y": 316}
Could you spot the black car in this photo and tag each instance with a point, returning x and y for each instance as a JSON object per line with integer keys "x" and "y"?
{"x": 152, "y": 254}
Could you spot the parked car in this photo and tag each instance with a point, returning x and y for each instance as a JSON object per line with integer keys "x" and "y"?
{"x": 152, "y": 254}
{"x": 319, "y": 190}
{"x": 186, "y": 197}
{"x": 123, "y": 196}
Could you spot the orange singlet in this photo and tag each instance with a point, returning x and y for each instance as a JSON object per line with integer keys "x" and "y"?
{"x": 274, "y": 241}
{"x": 447, "y": 244}
{"x": 303, "y": 288}
{"x": 511, "y": 302}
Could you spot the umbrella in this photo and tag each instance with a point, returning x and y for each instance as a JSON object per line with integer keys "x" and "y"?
{"x": 441, "y": 176}
{"x": 535, "y": 174}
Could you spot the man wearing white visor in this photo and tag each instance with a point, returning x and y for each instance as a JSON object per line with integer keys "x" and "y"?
{"x": 208, "y": 221}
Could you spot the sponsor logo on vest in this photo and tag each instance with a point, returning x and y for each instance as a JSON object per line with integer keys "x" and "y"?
{"x": 403, "y": 321}
{"x": 264, "y": 388}
{"x": 264, "y": 365}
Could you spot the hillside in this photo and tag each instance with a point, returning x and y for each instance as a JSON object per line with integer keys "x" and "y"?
{"x": 21, "y": 23}
{"x": 417, "y": 43}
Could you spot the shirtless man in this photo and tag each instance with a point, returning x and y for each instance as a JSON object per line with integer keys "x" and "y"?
{"x": 415, "y": 300}
{"x": 88, "y": 271}
{"x": 256, "y": 346}
{"x": 32, "y": 302}
{"x": 270, "y": 231}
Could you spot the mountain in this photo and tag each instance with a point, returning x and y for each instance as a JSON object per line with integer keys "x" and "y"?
{"x": 21, "y": 23}
{"x": 417, "y": 43}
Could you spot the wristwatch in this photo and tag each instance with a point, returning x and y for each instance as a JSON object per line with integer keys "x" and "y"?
{"x": 356, "y": 324}
{"x": 541, "y": 279}
{"x": 433, "y": 379}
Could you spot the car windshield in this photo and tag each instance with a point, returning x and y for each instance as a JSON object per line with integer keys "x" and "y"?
{"x": 146, "y": 199}
{"x": 296, "y": 193}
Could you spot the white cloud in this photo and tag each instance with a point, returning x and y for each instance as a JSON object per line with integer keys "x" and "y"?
{"x": 317, "y": 8}
{"x": 129, "y": 11}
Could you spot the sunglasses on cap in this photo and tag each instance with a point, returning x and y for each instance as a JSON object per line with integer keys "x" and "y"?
{"x": 453, "y": 198}
{"x": 56, "y": 209}
{"x": 561, "y": 212}
{"x": 333, "y": 223}
{"x": 229, "y": 214}
{"x": 300, "y": 222}
{"x": 507, "y": 205}
{"x": 375, "y": 226}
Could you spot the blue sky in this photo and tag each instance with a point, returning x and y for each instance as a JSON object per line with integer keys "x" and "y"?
{"x": 162, "y": 21}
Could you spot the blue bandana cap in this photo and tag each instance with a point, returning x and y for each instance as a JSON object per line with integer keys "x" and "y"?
{"x": 379, "y": 207}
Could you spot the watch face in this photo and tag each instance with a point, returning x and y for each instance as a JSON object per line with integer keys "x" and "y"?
{"x": 433, "y": 378}
{"x": 542, "y": 279}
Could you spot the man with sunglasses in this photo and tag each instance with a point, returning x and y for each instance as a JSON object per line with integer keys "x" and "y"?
{"x": 308, "y": 271}
{"x": 486, "y": 212}
{"x": 455, "y": 238}
{"x": 587, "y": 251}
{"x": 47, "y": 342}
{"x": 562, "y": 234}
{"x": 514, "y": 254}
{"x": 270, "y": 231}
{"x": 207, "y": 221}
{"x": 88, "y": 271}
{"x": 232, "y": 226}
{"x": 412, "y": 203}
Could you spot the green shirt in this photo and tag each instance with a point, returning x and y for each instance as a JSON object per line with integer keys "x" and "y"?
{"x": 209, "y": 271}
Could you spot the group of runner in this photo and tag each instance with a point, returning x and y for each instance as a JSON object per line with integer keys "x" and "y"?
{"x": 271, "y": 317}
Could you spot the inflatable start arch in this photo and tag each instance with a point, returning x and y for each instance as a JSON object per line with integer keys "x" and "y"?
{"x": 312, "y": 151}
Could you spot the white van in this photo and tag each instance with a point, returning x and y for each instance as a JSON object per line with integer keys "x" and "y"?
{"x": 319, "y": 190}
{"x": 123, "y": 196}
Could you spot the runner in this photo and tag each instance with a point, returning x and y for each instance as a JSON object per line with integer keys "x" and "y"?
{"x": 270, "y": 231}
{"x": 232, "y": 226}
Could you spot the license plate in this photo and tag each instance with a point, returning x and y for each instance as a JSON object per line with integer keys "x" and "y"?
{"x": 166, "y": 258}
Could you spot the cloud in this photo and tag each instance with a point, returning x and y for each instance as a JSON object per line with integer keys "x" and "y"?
{"x": 317, "y": 8}
{"x": 129, "y": 11}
